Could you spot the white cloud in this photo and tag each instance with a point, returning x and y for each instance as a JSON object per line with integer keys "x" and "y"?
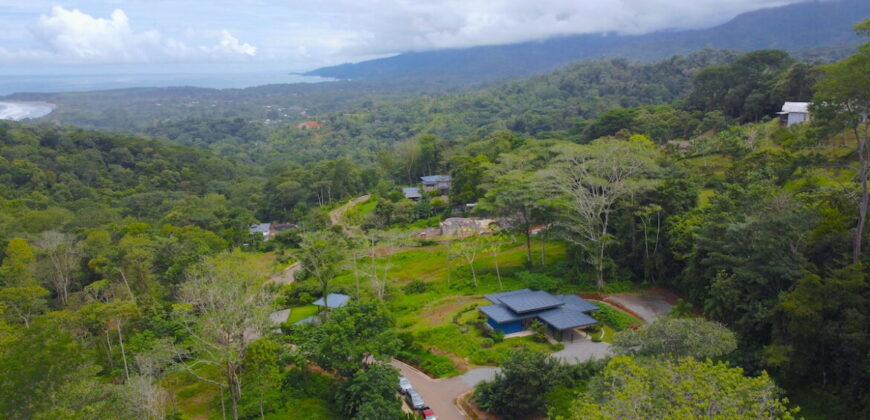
{"x": 72, "y": 36}
{"x": 230, "y": 45}
{"x": 306, "y": 34}
{"x": 401, "y": 25}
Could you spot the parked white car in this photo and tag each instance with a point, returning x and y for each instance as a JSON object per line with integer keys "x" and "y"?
{"x": 404, "y": 385}
{"x": 415, "y": 400}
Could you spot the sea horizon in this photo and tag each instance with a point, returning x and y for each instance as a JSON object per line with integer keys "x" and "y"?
{"x": 60, "y": 83}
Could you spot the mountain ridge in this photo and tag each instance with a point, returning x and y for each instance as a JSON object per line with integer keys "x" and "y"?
{"x": 822, "y": 24}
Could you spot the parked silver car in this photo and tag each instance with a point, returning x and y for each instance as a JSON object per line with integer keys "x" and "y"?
{"x": 415, "y": 400}
{"x": 404, "y": 385}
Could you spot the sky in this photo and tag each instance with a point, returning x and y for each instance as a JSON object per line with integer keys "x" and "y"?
{"x": 44, "y": 37}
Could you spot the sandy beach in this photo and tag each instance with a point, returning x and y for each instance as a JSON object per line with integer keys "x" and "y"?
{"x": 17, "y": 111}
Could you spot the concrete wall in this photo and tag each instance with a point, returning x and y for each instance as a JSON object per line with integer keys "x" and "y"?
{"x": 796, "y": 117}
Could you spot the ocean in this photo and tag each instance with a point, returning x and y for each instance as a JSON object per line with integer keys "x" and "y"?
{"x": 10, "y": 84}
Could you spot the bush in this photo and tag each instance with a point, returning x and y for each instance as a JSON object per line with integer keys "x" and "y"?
{"x": 538, "y": 281}
{"x": 299, "y": 293}
{"x": 497, "y": 335}
{"x": 416, "y": 286}
{"x": 487, "y": 343}
{"x": 540, "y": 331}
{"x": 614, "y": 318}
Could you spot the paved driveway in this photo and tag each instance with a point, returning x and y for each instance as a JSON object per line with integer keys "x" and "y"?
{"x": 441, "y": 394}
{"x": 582, "y": 350}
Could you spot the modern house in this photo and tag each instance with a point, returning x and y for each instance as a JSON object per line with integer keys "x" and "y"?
{"x": 516, "y": 310}
{"x": 436, "y": 182}
{"x": 412, "y": 193}
{"x": 794, "y": 112}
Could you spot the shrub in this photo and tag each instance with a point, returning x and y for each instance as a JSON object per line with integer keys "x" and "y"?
{"x": 540, "y": 331}
{"x": 416, "y": 286}
{"x": 487, "y": 343}
{"x": 538, "y": 281}
{"x": 497, "y": 335}
{"x": 616, "y": 319}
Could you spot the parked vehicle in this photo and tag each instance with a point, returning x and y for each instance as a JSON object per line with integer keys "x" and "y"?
{"x": 428, "y": 414}
{"x": 415, "y": 400}
{"x": 404, "y": 385}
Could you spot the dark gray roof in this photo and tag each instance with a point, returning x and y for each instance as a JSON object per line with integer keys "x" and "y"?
{"x": 530, "y": 301}
{"x": 577, "y": 303}
{"x": 501, "y": 314}
{"x": 496, "y": 297}
{"x": 334, "y": 300}
{"x": 564, "y": 318}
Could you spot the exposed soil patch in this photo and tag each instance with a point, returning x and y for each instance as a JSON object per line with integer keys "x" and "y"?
{"x": 443, "y": 314}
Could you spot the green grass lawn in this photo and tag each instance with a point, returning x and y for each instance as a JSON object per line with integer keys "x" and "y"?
{"x": 442, "y": 316}
{"x": 195, "y": 398}
{"x": 299, "y": 313}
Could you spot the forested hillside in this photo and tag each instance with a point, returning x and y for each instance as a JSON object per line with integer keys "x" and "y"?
{"x": 131, "y": 286}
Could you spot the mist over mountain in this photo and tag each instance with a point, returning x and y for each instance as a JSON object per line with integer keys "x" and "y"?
{"x": 799, "y": 28}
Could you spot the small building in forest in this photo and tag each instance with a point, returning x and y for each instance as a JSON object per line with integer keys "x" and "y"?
{"x": 794, "y": 112}
{"x": 437, "y": 183}
{"x": 412, "y": 193}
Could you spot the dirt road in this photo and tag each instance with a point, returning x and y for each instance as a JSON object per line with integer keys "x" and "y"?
{"x": 287, "y": 276}
{"x": 336, "y": 215}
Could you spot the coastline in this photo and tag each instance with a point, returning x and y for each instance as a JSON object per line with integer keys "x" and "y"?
{"x": 22, "y": 110}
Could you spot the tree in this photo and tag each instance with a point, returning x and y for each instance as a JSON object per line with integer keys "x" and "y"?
{"x": 469, "y": 249}
{"x": 370, "y": 394}
{"x": 677, "y": 337}
{"x": 320, "y": 254}
{"x": 261, "y": 377}
{"x": 519, "y": 389}
{"x": 637, "y": 388}
{"x": 348, "y": 337}
{"x": 63, "y": 252}
{"x": 492, "y": 244}
{"x": 53, "y": 376}
{"x": 24, "y": 303}
{"x": 225, "y": 308}
{"x": 824, "y": 333}
{"x": 515, "y": 196}
{"x": 15, "y": 270}
{"x": 105, "y": 317}
{"x": 843, "y": 99}
{"x": 592, "y": 180}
